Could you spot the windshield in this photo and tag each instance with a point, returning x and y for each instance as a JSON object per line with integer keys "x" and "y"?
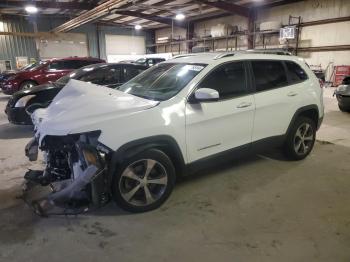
{"x": 76, "y": 74}
{"x": 29, "y": 66}
{"x": 141, "y": 60}
{"x": 32, "y": 66}
{"x": 162, "y": 81}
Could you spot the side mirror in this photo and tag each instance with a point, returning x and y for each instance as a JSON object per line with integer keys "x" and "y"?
{"x": 206, "y": 94}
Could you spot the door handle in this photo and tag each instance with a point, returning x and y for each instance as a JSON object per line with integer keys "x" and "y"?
{"x": 244, "y": 105}
{"x": 292, "y": 94}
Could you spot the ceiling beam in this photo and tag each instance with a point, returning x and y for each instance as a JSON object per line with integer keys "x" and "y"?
{"x": 273, "y": 4}
{"x": 46, "y": 4}
{"x": 165, "y": 13}
{"x": 228, "y": 7}
{"x": 89, "y": 16}
{"x": 150, "y": 17}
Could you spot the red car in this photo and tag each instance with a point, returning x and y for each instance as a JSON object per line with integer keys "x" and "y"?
{"x": 44, "y": 72}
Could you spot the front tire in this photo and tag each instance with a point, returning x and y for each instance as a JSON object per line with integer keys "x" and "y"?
{"x": 300, "y": 139}
{"x": 27, "y": 85}
{"x": 143, "y": 182}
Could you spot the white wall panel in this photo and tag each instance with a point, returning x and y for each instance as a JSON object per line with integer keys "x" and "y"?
{"x": 310, "y": 10}
{"x": 204, "y": 27}
{"x": 326, "y": 35}
{"x": 319, "y": 35}
{"x": 64, "y": 45}
{"x": 125, "y": 45}
{"x": 326, "y": 58}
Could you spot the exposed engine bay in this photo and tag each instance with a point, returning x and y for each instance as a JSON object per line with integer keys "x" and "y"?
{"x": 75, "y": 171}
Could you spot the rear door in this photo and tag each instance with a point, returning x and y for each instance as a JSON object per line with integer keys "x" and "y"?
{"x": 217, "y": 126}
{"x": 276, "y": 99}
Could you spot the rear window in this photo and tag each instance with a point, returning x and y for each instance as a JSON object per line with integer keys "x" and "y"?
{"x": 269, "y": 74}
{"x": 295, "y": 73}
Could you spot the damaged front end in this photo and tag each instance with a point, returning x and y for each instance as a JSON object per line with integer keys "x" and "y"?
{"x": 75, "y": 171}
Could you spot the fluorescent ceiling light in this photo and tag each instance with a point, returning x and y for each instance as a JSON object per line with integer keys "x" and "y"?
{"x": 138, "y": 27}
{"x": 31, "y": 9}
{"x": 180, "y": 17}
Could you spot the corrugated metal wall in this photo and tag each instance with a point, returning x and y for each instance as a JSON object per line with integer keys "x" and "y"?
{"x": 13, "y": 46}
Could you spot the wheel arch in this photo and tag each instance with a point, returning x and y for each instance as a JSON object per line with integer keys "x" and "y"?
{"x": 165, "y": 143}
{"x": 310, "y": 111}
{"x": 28, "y": 80}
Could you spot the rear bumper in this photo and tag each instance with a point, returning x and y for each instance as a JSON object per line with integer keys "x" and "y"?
{"x": 343, "y": 101}
{"x": 18, "y": 116}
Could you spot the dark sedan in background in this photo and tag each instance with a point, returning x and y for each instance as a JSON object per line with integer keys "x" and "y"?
{"x": 110, "y": 75}
{"x": 149, "y": 61}
{"x": 343, "y": 95}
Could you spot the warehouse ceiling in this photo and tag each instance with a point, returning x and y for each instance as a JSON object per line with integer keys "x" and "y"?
{"x": 147, "y": 13}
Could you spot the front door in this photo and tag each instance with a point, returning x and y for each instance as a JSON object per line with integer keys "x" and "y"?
{"x": 217, "y": 126}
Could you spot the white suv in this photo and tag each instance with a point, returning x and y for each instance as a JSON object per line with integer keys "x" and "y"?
{"x": 132, "y": 143}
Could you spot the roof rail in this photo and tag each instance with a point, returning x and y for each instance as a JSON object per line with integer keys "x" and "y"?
{"x": 226, "y": 54}
{"x": 184, "y": 55}
{"x": 269, "y": 51}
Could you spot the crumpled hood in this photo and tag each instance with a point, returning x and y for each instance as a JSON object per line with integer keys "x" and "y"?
{"x": 80, "y": 106}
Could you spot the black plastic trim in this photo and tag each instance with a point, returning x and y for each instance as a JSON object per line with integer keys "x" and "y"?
{"x": 236, "y": 153}
{"x": 300, "y": 111}
{"x": 140, "y": 145}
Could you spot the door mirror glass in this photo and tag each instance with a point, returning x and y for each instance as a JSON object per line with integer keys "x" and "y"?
{"x": 206, "y": 94}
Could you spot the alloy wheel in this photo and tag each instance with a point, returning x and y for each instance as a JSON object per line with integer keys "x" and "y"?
{"x": 303, "y": 139}
{"x": 28, "y": 85}
{"x": 143, "y": 182}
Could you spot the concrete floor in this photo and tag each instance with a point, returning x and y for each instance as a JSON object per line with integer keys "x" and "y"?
{"x": 259, "y": 209}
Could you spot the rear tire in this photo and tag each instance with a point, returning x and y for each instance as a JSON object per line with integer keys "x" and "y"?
{"x": 300, "y": 139}
{"x": 143, "y": 182}
{"x": 27, "y": 85}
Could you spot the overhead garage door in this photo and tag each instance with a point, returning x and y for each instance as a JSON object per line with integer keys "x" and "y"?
{"x": 125, "y": 45}
{"x": 64, "y": 45}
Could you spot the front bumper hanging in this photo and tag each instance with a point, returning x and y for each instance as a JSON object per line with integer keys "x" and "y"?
{"x": 87, "y": 182}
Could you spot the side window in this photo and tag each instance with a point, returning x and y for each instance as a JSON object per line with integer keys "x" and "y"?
{"x": 71, "y": 64}
{"x": 131, "y": 72}
{"x": 269, "y": 74}
{"x": 75, "y": 64}
{"x": 150, "y": 62}
{"x": 57, "y": 65}
{"x": 112, "y": 76}
{"x": 295, "y": 72}
{"x": 228, "y": 79}
{"x": 82, "y": 63}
